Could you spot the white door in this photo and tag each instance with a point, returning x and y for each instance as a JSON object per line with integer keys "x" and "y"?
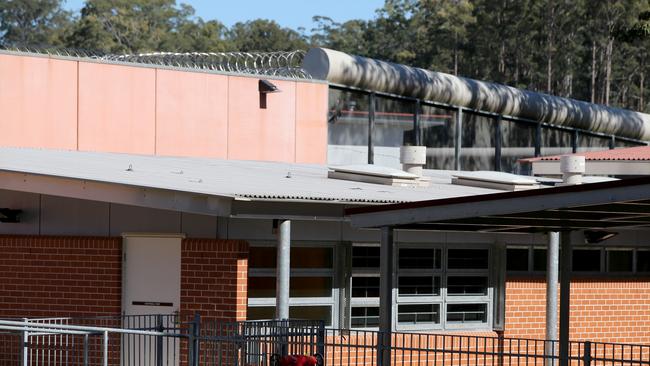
{"x": 151, "y": 284}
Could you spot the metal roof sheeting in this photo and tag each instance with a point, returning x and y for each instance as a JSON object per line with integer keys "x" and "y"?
{"x": 254, "y": 180}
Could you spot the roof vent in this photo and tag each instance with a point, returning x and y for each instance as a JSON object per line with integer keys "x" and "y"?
{"x": 494, "y": 180}
{"x": 377, "y": 175}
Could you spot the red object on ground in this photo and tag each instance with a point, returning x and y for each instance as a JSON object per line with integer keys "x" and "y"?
{"x": 298, "y": 360}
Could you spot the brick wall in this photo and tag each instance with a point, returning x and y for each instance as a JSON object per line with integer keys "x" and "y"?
{"x": 214, "y": 278}
{"x": 615, "y": 310}
{"x": 59, "y": 276}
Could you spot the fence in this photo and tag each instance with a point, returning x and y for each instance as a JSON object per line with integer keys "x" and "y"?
{"x": 169, "y": 340}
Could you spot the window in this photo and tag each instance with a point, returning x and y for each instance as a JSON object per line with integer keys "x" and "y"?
{"x": 620, "y": 260}
{"x": 467, "y": 313}
{"x": 517, "y": 259}
{"x": 467, "y": 285}
{"x": 394, "y": 127}
{"x": 438, "y": 128}
{"x": 478, "y": 147}
{"x": 311, "y": 286}
{"x": 418, "y": 314}
{"x": 517, "y": 142}
{"x": 364, "y": 317}
{"x": 467, "y": 259}
{"x": 364, "y": 293}
{"x": 347, "y": 127}
{"x": 586, "y": 260}
{"x": 590, "y": 261}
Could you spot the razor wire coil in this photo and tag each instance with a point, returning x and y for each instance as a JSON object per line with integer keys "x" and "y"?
{"x": 279, "y": 64}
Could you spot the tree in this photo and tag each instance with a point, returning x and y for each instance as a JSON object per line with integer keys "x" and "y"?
{"x": 264, "y": 35}
{"x": 32, "y": 22}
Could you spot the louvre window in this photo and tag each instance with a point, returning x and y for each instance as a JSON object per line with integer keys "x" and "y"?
{"x": 418, "y": 314}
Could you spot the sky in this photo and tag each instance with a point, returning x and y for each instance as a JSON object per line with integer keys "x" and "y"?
{"x": 288, "y": 13}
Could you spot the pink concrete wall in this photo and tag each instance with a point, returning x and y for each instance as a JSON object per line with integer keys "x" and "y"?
{"x": 256, "y": 133}
{"x": 38, "y": 102}
{"x": 117, "y": 108}
{"x": 89, "y": 106}
{"x": 191, "y": 114}
{"x": 311, "y": 132}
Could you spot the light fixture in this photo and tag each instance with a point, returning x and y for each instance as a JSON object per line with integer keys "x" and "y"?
{"x": 9, "y": 216}
{"x": 596, "y": 236}
{"x": 266, "y": 87}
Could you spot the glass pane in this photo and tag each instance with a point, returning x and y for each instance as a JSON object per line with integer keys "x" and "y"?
{"x": 393, "y": 128}
{"x": 347, "y": 128}
{"x": 517, "y": 259}
{"x": 467, "y": 285}
{"x": 419, "y": 258}
{"x": 539, "y": 260}
{"x": 365, "y": 257}
{"x": 619, "y": 260}
{"x": 419, "y": 286}
{"x": 555, "y": 142}
{"x": 364, "y": 317}
{"x": 310, "y": 287}
{"x": 478, "y": 134}
{"x": 586, "y": 260}
{"x": 467, "y": 313}
{"x": 261, "y": 287}
{"x": 298, "y": 287}
{"x": 261, "y": 257}
{"x": 517, "y": 142}
{"x": 467, "y": 258}
{"x": 312, "y": 257}
{"x": 592, "y": 143}
{"x": 365, "y": 286}
{"x": 418, "y": 314}
{"x": 312, "y": 313}
{"x": 438, "y": 135}
{"x": 260, "y": 312}
{"x": 643, "y": 261}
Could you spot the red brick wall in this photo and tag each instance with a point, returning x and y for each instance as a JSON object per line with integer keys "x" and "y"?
{"x": 214, "y": 278}
{"x": 615, "y": 310}
{"x": 44, "y": 276}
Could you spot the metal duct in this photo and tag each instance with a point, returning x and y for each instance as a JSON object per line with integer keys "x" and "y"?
{"x": 366, "y": 73}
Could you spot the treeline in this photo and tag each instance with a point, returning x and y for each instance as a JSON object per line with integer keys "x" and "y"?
{"x": 593, "y": 50}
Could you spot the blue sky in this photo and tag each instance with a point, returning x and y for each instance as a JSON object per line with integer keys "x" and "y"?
{"x": 288, "y": 13}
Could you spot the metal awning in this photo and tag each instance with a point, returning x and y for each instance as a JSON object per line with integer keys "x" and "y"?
{"x": 623, "y": 204}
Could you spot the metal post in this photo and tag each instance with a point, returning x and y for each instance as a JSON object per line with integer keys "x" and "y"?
{"x": 283, "y": 270}
{"x": 159, "y": 341}
{"x": 538, "y": 140}
{"x": 497, "y": 144}
{"x": 386, "y": 297}
{"x": 105, "y": 348}
{"x": 371, "y": 128}
{"x": 565, "y": 296}
{"x": 574, "y": 141}
{"x": 417, "y": 138}
{"x": 552, "y": 263}
{"x": 612, "y": 142}
{"x": 459, "y": 137}
{"x": 85, "y": 349}
{"x": 25, "y": 347}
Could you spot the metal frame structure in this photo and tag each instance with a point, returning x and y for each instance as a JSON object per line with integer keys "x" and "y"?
{"x": 459, "y": 112}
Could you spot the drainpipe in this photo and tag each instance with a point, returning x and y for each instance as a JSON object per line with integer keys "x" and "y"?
{"x": 572, "y": 168}
{"x": 552, "y": 261}
{"x": 283, "y": 270}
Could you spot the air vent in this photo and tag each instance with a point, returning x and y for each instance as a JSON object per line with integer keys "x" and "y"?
{"x": 494, "y": 180}
{"x": 377, "y": 175}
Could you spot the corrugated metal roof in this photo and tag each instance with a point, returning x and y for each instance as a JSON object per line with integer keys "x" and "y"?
{"x": 636, "y": 153}
{"x": 253, "y": 180}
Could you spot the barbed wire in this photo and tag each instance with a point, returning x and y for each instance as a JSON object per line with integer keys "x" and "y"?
{"x": 283, "y": 64}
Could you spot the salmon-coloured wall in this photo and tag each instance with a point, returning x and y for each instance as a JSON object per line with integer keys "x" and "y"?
{"x": 38, "y": 102}
{"x": 198, "y": 103}
{"x": 256, "y": 133}
{"x": 52, "y": 103}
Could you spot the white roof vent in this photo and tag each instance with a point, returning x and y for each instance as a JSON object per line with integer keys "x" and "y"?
{"x": 376, "y": 174}
{"x": 494, "y": 180}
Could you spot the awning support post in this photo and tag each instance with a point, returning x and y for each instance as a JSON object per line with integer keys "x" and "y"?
{"x": 386, "y": 297}
{"x": 552, "y": 268}
{"x": 565, "y": 296}
{"x": 283, "y": 270}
